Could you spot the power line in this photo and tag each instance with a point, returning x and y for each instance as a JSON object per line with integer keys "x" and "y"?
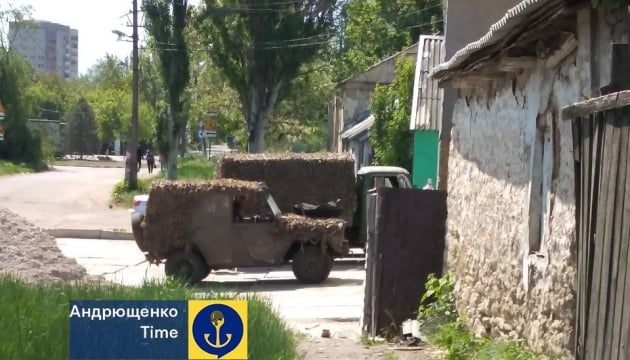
{"x": 424, "y": 24}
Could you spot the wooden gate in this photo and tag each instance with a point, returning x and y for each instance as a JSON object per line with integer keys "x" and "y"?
{"x": 601, "y": 137}
{"x": 406, "y": 238}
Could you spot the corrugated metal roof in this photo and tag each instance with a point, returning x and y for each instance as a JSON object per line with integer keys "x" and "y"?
{"x": 426, "y": 107}
{"x": 358, "y": 128}
{"x": 497, "y": 31}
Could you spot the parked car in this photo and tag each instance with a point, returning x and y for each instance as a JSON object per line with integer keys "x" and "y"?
{"x": 139, "y": 204}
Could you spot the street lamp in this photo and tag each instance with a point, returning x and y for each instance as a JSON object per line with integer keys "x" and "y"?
{"x": 131, "y": 170}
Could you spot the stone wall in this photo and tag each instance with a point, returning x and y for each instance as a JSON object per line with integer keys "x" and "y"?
{"x": 507, "y": 286}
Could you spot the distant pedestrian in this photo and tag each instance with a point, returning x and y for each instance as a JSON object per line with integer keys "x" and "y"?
{"x": 139, "y": 155}
{"x": 150, "y": 161}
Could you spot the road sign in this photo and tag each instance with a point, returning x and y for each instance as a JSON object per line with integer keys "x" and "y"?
{"x": 210, "y": 125}
{"x": 1, "y": 133}
{"x": 211, "y": 134}
{"x": 201, "y": 134}
{"x": 1, "y": 111}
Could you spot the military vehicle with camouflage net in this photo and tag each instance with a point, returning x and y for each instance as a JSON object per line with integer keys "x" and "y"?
{"x": 195, "y": 227}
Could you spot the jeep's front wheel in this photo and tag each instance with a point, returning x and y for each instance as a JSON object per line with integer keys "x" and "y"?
{"x": 186, "y": 266}
{"x": 311, "y": 265}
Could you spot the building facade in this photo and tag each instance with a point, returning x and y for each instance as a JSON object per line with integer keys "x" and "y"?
{"x": 49, "y": 47}
{"x": 511, "y": 167}
{"x": 426, "y": 112}
{"x": 350, "y": 119}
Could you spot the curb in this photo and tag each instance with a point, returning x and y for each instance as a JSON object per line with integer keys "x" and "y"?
{"x": 90, "y": 234}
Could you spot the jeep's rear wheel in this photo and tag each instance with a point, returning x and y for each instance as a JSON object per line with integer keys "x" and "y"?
{"x": 186, "y": 266}
{"x": 311, "y": 265}
{"x": 136, "y": 228}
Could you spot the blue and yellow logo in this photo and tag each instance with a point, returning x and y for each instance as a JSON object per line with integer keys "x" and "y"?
{"x": 217, "y": 329}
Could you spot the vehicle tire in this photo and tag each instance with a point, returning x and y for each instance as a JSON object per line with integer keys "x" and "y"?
{"x": 310, "y": 265}
{"x": 186, "y": 266}
{"x": 136, "y": 228}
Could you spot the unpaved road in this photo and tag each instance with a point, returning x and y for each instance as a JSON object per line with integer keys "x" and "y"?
{"x": 66, "y": 198}
{"x": 335, "y": 305}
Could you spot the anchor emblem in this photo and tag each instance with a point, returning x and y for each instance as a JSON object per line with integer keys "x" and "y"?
{"x": 217, "y": 319}
{"x": 218, "y": 329}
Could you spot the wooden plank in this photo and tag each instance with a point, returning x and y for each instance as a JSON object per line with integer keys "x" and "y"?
{"x": 377, "y": 269}
{"x": 598, "y": 104}
{"x": 595, "y": 144}
{"x": 624, "y": 342}
{"x": 581, "y": 139}
{"x": 595, "y": 316}
{"x": 607, "y": 210}
{"x": 614, "y": 305}
{"x": 366, "y": 323}
{"x": 623, "y": 191}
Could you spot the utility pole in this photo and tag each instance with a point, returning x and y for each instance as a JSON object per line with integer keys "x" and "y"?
{"x": 131, "y": 173}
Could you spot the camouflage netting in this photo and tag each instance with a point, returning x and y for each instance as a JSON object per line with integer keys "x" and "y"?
{"x": 169, "y": 213}
{"x": 300, "y": 226}
{"x": 295, "y": 178}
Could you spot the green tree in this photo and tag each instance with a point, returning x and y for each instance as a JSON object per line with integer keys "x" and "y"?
{"x": 166, "y": 21}
{"x": 20, "y": 144}
{"x": 374, "y": 29}
{"x": 260, "y": 47}
{"x": 111, "y": 72}
{"x": 391, "y": 138}
{"x": 82, "y": 129}
{"x": 47, "y": 97}
{"x": 299, "y": 122}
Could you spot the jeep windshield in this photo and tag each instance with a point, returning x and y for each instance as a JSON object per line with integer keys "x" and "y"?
{"x": 274, "y": 207}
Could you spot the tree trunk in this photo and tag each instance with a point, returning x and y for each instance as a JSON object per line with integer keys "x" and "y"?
{"x": 173, "y": 153}
{"x": 256, "y": 143}
{"x": 258, "y": 110}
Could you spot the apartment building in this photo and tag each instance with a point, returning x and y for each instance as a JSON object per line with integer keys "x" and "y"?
{"x": 49, "y": 47}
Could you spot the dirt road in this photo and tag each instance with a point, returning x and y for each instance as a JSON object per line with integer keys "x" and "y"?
{"x": 66, "y": 197}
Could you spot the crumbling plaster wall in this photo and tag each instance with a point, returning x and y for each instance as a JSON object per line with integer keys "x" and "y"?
{"x": 504, "y": 289}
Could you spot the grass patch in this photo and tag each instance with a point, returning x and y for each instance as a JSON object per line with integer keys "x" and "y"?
{"x": 90, "y": 163}
{"x": 34, "y": 322}
{"x": 9, "y": 168}
{"x": 195, "y": 167}
{"x": 188, "y": 168}
{"x": 440, "y": 321}
{"x": 123, "y": 196}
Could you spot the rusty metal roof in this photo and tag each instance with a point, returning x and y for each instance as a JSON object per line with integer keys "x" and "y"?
{"x": 512, "y": 18}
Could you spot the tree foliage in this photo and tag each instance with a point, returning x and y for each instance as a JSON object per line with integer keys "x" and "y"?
{"x": 82, "y": 129}
{"x": 20, "y": 144}
{"x": 166, "y": 22}
{"x": 391, "y": 138}
{"x": 374, "y": 29}
{"x": 260, "y": 47}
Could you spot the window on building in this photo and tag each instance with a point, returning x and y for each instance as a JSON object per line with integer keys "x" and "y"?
{"x": 540, "y": 184}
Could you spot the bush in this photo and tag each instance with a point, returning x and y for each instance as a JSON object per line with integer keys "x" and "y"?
{"x": 121, "y": 194}
{"x": 439, "y": 320}
{"x": 34, "y": 320}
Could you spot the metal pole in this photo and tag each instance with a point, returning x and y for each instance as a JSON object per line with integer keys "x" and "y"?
{"x": 132, "y": 144}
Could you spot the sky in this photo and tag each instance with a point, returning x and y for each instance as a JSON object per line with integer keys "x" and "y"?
{"x": 95, "y": 20}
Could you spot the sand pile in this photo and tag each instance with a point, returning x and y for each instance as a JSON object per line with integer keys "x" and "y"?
{"x": 32, "y": 254}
